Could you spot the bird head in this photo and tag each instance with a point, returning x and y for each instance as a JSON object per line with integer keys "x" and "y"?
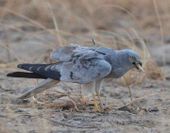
{"x": 132, "y": 59}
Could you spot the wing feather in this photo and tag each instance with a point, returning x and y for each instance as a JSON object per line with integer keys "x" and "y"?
{"x": 85, "y": 71}
{"x": 67, "y": 53}
{"x": 64, "y": 53}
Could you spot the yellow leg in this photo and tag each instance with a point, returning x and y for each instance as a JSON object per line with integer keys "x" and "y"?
{"x": 98, "y": 103}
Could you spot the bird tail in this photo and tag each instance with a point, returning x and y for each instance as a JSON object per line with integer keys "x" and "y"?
{"x": 25, "y": 75}
{"x": 46, "y": 84}
{"x": 42, "y": 71}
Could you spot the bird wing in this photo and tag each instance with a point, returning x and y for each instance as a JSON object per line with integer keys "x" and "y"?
{"x": 68, "y": 52}
{"x": 64, "y": 53}
{"x": 85, "y": 68}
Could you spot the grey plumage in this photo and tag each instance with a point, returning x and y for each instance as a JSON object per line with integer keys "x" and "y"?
{"x": 86, "y": 64}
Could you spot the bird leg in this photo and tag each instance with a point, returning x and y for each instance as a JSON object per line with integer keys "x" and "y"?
{"x": 83, "y": 99}
{"x": 98, "y": 104}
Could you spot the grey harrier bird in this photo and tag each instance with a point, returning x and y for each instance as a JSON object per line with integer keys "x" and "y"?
{"x": 79, "y": 64}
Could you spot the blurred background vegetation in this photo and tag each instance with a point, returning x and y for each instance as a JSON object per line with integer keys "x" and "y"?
{"x": 36, "y": 27}
{"x": 31, "y": 29}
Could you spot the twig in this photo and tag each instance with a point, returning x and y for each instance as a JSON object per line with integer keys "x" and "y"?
{"x": 74, "y": 103}
{"x": 55, "y": 23}
{"x": 138, "y": 99}
{"x": 93, "y": 41}
{"x": 160, "y": 26}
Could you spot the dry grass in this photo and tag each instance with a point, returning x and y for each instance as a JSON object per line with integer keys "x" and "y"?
{"x": 112, "y": 23}
{"x": 67, "y": 18}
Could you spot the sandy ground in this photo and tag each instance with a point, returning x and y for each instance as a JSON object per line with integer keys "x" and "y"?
{"x": 149, "y": 110}
{"x": 149, "y": 113}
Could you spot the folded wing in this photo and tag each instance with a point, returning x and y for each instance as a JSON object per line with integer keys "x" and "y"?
{"x": 85, "y": 70}
{"x": 64, "y": 53}
{"x": 67, "y": 53}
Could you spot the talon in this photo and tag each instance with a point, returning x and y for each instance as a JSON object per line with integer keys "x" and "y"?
{"x": 98, "y": 107}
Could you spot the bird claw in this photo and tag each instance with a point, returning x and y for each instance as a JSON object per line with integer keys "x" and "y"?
{"x": 98, "y": 106}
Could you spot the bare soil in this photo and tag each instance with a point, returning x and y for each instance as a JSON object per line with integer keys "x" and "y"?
{"x": 26, "y": 36}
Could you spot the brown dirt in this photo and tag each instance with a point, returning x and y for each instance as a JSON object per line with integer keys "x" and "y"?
{"x": 30, "y": 30}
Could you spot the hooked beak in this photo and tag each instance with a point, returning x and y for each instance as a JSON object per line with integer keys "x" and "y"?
{"x": 139, "y": 66}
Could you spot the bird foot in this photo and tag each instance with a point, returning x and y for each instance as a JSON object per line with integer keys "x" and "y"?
{"x": 98, "y": 105}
